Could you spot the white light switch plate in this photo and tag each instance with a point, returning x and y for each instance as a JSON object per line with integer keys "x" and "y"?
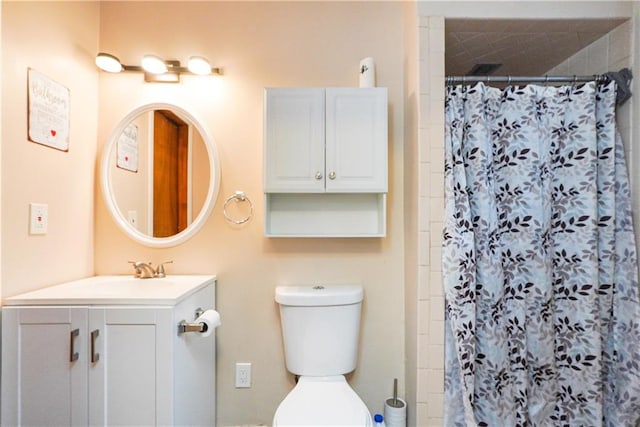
{"x": 38, "y": 218}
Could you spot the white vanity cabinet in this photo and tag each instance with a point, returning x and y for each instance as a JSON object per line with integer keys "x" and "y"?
{"x": 325, "y": 162}
{"x": 108, "y": 359}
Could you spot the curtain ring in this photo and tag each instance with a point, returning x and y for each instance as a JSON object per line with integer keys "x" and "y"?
{"x": 546, "y": 79}
{"x": 509, "y": 79}
{"x": 237, "y": 197}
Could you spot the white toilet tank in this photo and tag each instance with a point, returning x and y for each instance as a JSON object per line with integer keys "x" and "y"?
{"x": 320, "y": 328}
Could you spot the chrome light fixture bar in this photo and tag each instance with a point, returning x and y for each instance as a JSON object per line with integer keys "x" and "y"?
{"x": 156, "y": 69}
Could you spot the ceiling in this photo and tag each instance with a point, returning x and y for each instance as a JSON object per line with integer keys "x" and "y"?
{"x": 524, "y": 47}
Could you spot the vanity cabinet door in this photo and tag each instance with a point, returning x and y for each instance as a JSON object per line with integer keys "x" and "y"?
{"x": 294, "y": 140}
{"x": 44, "y": 375}
{"x": 131, "y": 379}
{"x": 356, "y": 140}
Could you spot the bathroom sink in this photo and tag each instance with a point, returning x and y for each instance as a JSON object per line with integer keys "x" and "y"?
{"x": 109, "y": 290}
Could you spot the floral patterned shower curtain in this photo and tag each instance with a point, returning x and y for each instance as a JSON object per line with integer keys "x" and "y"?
{"x": 539, "y": 260}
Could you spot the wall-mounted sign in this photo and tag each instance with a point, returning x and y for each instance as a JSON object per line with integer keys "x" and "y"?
{"x": 48, "y": 115}
{"x": 127, "y": 149}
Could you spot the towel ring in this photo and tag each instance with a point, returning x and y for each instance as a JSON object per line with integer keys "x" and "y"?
{"x": 237, "y": 197}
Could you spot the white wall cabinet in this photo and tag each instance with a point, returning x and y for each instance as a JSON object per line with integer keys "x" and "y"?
{"x": 99, "y": 365}
{"x": 325, "y": 162}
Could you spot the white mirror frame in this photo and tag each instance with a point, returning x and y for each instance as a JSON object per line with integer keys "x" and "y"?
{"x": 107, "y": 185}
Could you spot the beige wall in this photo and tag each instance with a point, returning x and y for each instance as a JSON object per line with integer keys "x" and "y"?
{"x": 410, "y": 167}
{"x": 59, "y": 40}
{"x": 258, "y": 45}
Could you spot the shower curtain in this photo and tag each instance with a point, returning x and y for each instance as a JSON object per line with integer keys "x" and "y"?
{"x": 539, "y": 260}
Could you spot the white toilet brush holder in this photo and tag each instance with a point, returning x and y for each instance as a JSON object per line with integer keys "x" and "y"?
{"x": 395, "y": 409}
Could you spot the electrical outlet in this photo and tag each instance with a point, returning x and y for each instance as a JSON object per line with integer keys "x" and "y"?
{"x": 38, "y": 218}
{"x": 132, "y": 216}
{"x": 243, "y": 375}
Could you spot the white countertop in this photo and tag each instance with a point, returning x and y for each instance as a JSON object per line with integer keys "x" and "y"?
{"x": 115, "y": 290}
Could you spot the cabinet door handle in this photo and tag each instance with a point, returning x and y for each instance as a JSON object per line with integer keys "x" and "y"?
{"x": 318, "y": 175}
{"x": 332, "y": 175}
{"x": 73, "y": 354}
{"x": 95, "y": 356}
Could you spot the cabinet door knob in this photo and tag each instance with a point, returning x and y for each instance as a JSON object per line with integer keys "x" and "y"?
{"x": 332, "y": 175}
{"x": 318, "y": 175}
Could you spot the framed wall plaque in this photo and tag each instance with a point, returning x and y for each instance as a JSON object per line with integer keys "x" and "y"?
{"x": 48, "y": 111}
{"x": 127, "y": 149}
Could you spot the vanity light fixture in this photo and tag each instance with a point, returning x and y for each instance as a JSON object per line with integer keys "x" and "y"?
{"x": 153, "y": 64}
{"x": 156, "y": 69}
{"x": 108, "y": 63}
{"x": 199, "y": 65}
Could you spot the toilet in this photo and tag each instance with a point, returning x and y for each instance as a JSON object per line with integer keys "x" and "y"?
{"x": 320, "y": 329}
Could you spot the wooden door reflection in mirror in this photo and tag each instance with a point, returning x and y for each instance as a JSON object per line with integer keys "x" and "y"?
{"x": 170, "y": 171}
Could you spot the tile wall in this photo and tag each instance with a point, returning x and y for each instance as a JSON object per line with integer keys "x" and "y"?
{"x": 430, "y": 363}
{"x": 611, "y": 52}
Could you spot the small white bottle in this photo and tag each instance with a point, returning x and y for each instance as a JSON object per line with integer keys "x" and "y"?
{"x": 378, "y": 420}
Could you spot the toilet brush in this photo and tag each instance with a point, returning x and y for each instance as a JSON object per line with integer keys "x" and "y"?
{"x": 395, "y": 409}
{"x": 395, "y": 403}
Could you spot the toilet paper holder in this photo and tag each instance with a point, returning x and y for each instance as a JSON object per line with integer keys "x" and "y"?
{"x": 184, "y": 326}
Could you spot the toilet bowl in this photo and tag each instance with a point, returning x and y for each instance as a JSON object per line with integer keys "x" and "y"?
{"x": 320, "y": 330}
{"x": 322, "y": 401}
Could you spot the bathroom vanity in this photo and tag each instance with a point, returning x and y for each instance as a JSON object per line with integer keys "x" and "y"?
{"x": 106, "y": 350}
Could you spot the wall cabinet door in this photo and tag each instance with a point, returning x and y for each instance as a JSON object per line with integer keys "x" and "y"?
{"x": 294, "y": 140}
{"x": 325, "y": 140}
{"x": 356, "y": 140}
{"x": 44, "y": 375}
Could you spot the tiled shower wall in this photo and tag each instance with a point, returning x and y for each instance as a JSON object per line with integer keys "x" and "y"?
{"x": 612, "y": 52}
{"x": 430, "y": 363}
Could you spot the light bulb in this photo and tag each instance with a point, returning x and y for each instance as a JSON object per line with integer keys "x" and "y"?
{"x": 108, "y": 63}
{"x": 154, "y": 65}
{"x": 199, "y": 65}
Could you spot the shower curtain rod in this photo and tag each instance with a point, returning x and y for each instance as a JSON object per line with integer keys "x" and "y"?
{"x": 450, "y": 80}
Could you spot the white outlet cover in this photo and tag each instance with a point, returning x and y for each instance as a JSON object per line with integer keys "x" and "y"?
{"x": 38, "y": 218}
{"x": 132, "y": 217}
{"x": 243, "y": 375}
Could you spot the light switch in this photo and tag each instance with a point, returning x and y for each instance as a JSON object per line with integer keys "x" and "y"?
{"x": 38, "y": 218}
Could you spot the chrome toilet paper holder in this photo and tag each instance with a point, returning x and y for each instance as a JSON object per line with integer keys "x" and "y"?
{"x": 184, "y": 326}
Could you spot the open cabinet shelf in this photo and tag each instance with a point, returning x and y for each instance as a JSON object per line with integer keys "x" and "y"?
{"x": 325, "y": 215}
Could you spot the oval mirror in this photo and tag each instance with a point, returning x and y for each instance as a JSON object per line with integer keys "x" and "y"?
{"x": 160, "y": 175}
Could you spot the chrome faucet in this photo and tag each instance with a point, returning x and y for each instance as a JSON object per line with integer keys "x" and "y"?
{"x": 144, "y": 270}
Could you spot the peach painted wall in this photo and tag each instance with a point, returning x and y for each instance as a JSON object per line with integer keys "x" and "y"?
{"x": 411, "y": 197}
{"x": 59, "y": 40}
{"x": 263, "y": 44}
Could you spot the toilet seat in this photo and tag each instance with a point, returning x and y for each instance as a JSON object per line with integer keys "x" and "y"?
{"x": 322, "y": 401}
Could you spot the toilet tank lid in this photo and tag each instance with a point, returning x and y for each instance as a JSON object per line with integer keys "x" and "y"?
{"x": 319, "y": 295}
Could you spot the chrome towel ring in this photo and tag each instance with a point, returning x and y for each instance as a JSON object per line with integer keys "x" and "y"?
{"x": 237, "y": 197}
